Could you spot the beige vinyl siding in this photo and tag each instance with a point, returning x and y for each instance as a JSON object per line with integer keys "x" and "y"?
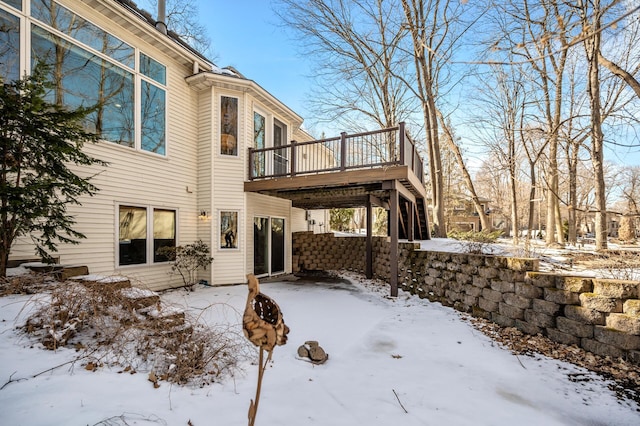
{"x": 298, "y": 220}
{"x": 138, "y": 178}
{"x": 205, "y": 174}
{"x": 265, "y": 206}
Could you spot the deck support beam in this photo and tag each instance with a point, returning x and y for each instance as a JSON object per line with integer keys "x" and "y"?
{"x": 393, "y": 251}
{"x": 411, "y": 211}
{"x": 369, "y": 244}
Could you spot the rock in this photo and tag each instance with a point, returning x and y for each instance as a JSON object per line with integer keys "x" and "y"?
{"x": 312, "y": 350}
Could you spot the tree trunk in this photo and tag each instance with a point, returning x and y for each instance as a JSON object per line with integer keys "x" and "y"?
{"x": 435, "y": 169}
{"x": 592, "y": 49}
{"x": 484, "y": 220}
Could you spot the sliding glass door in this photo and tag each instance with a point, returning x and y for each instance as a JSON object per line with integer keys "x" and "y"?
{"x": 268, "y": 245}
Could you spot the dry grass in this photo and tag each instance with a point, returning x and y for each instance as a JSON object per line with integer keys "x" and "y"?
{"x": 31, "y": 283}
{"x": 109, "y": 327}
{"x": 616, "y": 264}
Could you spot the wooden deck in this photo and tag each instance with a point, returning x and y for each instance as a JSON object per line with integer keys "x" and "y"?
{"x": 381, "y": 168}
{"x": 339, "y": 172}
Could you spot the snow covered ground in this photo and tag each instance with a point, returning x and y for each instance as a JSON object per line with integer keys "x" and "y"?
{"x": 400, "y": 361}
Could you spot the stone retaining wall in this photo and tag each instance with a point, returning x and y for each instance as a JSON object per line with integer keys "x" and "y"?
{"x": 599, "y": 315}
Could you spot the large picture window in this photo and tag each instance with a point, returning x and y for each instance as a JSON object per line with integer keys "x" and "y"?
{"x": 143, "y": 231}
{"x": 91, "y": 67}
{"x": 228, "y": 125}
{"x": 9, "y": 46}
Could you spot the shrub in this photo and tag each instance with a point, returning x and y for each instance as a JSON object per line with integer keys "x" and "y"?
{"x": 187, "y": 260}
{"x": 109, "y": 327}
{"x": 475, "y": 242}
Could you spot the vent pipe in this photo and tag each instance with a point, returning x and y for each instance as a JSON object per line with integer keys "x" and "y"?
{"x": 162, "y": 17}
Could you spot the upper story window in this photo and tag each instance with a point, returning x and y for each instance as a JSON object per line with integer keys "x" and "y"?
{"x": 259, "y": 140}
{"x": 67, "y": 22}
{"x": 91, "y": 67}
{"x": 228, "y": 125}
{"x": 9, "y": 46}
{"x": 15, "y": 3}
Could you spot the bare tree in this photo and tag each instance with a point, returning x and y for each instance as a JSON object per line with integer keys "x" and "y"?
{"x": 182, "y": 19}
{"x": 355, "y": 45}
{"x": 631, "y": 189}
{"x": 499, "y": 124}
{"x": 436, "y": 28}
{"x": 453, "y": 147}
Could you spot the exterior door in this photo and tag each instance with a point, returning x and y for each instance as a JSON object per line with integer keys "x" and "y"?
{"x": 268, "y": 246}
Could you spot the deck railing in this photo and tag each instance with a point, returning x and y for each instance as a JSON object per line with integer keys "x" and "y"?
{"x": 380, "y": 148}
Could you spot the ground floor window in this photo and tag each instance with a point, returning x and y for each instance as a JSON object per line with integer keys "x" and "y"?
{"x": 143, "y": 231}
{"x": 228, "y": 229}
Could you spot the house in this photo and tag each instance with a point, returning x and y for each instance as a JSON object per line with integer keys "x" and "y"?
{"x": 462, "y": 215}
{"x": 188, "y": 146}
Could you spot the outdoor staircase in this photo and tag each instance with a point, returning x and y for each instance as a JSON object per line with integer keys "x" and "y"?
{"x": 145, "y": 302}
{"x": 420, "y": 221}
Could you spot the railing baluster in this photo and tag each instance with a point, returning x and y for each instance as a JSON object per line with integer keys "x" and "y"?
{"x": 401, "y": 140}
{"x": 343, "y": 151}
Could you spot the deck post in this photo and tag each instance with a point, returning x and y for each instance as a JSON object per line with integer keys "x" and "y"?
{"x": 393, "y": 250}
{"x": 293, "y": 157}
{"x": 250, "y": 159}
{"x": 410, "y": 223}
{"x": 343, "y": 151}
{"x": 369, "y": 255}
{"x": 401, "y": 131}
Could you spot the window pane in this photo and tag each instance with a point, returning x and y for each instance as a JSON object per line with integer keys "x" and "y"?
{"x": 153, "y": 118}
{"x": 258, "y": 143}
{"x": 15, "y": 3}
{"x": 277, "y": 245}
{"x": 260, "y": 245}
{"x": 62, "y": 19}
{"x": 133, "y": 235}
{"x": 258, "y": 130}
{"x": 280, "y": 161}
{"x": 152, "y": 68}
{"x": 228, "y": 125}
{"x": 164, "y": 232}
{"x": 228, "y": 230}
{"x": 83, "y": 79}
{"x": 9, "y": 46}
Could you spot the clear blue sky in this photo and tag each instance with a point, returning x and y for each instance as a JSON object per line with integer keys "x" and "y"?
{"x": 245, "y": 34}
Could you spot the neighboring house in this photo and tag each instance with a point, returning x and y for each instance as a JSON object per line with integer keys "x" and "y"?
{"x": 177, "y": 133}
{"x": 462, "y": 216}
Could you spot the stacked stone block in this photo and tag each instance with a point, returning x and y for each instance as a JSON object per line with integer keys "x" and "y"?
{"x": 599, "y": 315}
{"x": 326, "y": 252}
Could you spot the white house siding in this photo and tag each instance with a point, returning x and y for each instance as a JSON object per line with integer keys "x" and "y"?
{"x": 138, "y": 178}
{"x": 316, "y": 221}
{"x": 298, "y": 220}
{"x": 205, "y": 174}
{"x": 265, "y": 206}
